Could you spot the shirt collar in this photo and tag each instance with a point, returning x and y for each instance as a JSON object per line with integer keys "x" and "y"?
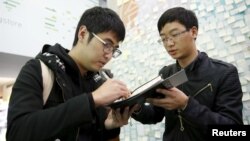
{"x": 193, "y": 64}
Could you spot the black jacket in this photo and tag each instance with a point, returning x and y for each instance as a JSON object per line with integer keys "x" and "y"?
{"x": 69, "y": 113}
{"x": 215, "y": 97}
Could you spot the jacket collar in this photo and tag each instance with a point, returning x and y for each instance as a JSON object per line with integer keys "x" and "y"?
{"x": 64, "y": 62}
{"x": 195, "y": 63}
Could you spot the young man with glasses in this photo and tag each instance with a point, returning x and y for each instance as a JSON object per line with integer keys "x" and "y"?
{"x": 76, "y": 107}
{"x": 213, "y": 94}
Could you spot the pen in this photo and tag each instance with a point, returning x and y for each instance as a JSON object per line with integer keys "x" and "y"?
{"x": 105, "y": 75}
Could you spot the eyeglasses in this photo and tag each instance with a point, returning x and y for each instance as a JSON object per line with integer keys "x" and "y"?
{"x": 109, "y": 48}
{"x": 171, "y": 38}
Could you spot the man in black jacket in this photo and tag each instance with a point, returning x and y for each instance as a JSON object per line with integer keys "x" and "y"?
{"x": 213, "y": 94}
{"x": 76, "y": 107}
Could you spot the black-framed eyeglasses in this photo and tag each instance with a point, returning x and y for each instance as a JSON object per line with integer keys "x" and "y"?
{"x": 171, "y": 38}
{"x": 109, "y": 48}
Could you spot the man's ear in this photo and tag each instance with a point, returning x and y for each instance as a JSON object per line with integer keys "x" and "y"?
{"x": 194, "y": 32}
{"x": 82, "y": 32}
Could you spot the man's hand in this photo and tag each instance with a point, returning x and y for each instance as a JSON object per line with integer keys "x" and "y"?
{"x": 117, "y": 119}
{"x": 110, "y": 91}
{"x": 174, "y": 99}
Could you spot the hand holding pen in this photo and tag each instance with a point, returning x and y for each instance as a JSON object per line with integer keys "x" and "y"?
{"x": 109, "y": 91}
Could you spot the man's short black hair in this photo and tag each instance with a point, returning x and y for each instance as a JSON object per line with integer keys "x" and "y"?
{"x": 178, "y": 14}
{"x": 98, "y": 20}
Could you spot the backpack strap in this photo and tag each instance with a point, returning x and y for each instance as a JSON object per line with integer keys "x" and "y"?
{"x": 48, "y": 80}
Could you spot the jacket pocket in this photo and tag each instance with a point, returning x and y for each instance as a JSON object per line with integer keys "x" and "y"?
{"x": 205, "y": 95}
{"x": 208, "y": 86}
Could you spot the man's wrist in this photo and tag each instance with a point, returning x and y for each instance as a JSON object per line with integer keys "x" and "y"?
{"x": 186, "y": 103}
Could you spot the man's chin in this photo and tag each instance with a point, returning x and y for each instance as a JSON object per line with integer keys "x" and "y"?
{"x": 174, "y": 56}
{"x": 97, "y": 68}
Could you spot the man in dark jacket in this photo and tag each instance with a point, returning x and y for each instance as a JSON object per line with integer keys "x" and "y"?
{"x": 211, "y": 96}
{"x": 76, "y": 107}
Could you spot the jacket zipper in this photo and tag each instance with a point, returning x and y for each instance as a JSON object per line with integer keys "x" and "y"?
{"x": 61, "y": 88}
{"x": 180, "y": 119}
{"x": 77, "y": 135}
{"x": 179, "y": 110}
{"x": 78, "y": 129}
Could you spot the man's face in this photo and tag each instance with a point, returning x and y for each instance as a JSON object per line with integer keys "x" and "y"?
{"x": 177, "y": 40}
{"x": 99, "y": 50}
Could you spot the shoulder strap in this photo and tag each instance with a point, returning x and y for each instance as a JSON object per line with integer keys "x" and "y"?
{"x": 48, "y": 80}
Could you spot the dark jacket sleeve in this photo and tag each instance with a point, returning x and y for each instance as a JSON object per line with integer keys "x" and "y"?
{"x": 111, "y": 134}
{"x": 227, "y": 107}
{"x": 149, "y": 114}
{"x": 28, "y": 121}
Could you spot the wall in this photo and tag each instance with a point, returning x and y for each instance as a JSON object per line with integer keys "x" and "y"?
{"x": 27, "y": 25}
{"x": 224, "y": 33}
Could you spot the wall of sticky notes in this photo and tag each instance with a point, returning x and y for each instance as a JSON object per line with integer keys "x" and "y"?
{"x": 224, "y": 33}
